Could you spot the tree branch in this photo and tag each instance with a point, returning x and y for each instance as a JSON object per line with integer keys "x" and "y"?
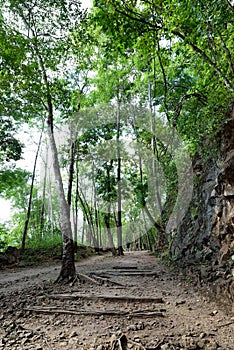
{"x": 228, "y": 54}
{"x": 206, "y": 58}
{"x": 138, "y": 17}
{"x": 135, "y": 16}
{"x": 178, "y": 109}
{"x": 164, "y": 80}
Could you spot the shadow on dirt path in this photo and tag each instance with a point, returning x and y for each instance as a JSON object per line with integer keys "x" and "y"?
{"x": 130, "y": 302}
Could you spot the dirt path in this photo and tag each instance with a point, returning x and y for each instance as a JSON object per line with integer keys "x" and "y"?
{"x": 186, "y": 319}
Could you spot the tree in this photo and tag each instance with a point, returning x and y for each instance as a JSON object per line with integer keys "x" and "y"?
{"x": 60, "y": 67}
{"x": 112, "y": 83}
{"x": 45, "y": 35}
{"x": 107, "y": 215}
{"x": 181, "y": 66}
{"x": 186, "y": 45}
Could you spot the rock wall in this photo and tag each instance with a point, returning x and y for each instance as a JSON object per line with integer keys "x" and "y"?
{"x": 207, "y": 231}
{"x": 205, "y": 237}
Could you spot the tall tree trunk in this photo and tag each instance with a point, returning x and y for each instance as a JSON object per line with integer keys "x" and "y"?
{"x": 83, "y": 232}
{"x": 108, "y": 230}
{"x": 72, "y": 162}
{"x": 88, "y": 215}
{"x": 119, "y": 190}
{"x": 76, "y": 208}
{"x": 99, "y": 224}
{"x": 31, "y": 195}
{"x": 155, "y": 177}
{"x": 71, "y": 173}
{"x": 68, "y": 269}
{"x": 153, "y": 143}
{"x": 70, "y": 182}
{"x": 147, "y": 233}
{"x": 73, "y": 141}
{"x": 96, "y": 231}
{"x": 68, "y": 260}
{"x": 50, "y": 201}
{"x": 42, "y": 213}
{"x": 160, "y": 229}
{"x": 108, "y": 214}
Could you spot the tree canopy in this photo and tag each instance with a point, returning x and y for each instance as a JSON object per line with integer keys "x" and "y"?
{"x": 129, "y": 91}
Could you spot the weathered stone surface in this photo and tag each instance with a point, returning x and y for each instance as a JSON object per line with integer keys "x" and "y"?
{"x": 206, "y": 235}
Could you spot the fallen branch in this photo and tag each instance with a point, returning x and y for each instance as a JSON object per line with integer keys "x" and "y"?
{"x": 148, "y": 313}
{"x": 225, "y": 324}
{"x": 129, "y": 298}
{"x": 55, "y": 310}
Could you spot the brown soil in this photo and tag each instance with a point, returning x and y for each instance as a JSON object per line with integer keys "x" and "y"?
{"x": 187, "y": 318}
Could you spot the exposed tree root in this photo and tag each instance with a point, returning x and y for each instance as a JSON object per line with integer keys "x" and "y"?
{"x": 106, "y": 273}
{"x": 84, "y": 278}
{"x": 107, "y": 281}
{"x": 124, "y": 267}
{"x": 80, "y": 277}
{"x": 128, "y": 298}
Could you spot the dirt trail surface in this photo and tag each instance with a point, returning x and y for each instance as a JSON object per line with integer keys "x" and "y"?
{"x": 130, "y": 302}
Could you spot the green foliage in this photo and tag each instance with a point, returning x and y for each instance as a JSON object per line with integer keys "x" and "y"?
{"x": 6, "y": 238}
{"x": 142, "y": 59}
{"x": 13, "y": 185}
{"x": 10, "y": 147}
{"x": 49, "y": 239}
{"x": 183, "y": 49}
{"x": 11, "y": 233}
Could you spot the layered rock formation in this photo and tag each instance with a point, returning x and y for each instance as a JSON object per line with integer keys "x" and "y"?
{"x": 206, "y": 235}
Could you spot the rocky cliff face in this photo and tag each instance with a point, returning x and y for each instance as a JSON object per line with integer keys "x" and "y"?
{"x": 206, "y": 234}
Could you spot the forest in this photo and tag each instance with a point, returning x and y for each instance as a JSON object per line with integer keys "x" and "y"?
{"x": 121, "y": 98}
